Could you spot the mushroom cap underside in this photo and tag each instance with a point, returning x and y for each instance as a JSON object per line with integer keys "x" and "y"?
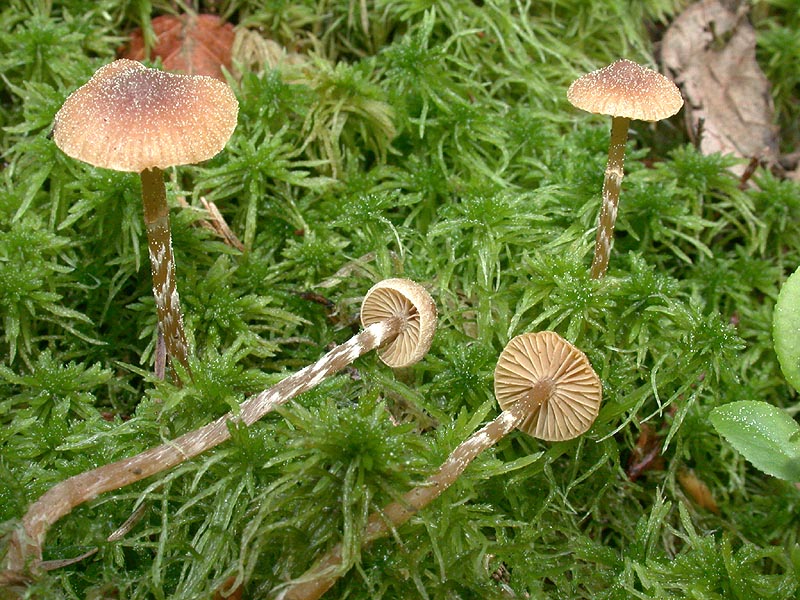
{"x": 575, "y": 389}
{"x": 128, "y": 117}
{"x": 411, "y": 302}
{"x": 626, "y": 89}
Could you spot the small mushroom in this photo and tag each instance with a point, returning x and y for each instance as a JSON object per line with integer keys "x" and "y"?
{"x": 128, "y": 117}
{"x": 392, "y": 297}
{"x": 546, "y": 388}
{"x": 554, "y": 379}
{"x": 410, "y": 307}
{"x": 624, "y": 90}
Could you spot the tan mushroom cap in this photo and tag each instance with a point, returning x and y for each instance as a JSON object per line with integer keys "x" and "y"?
{"x": 410, "y": 301}
{"x": 128, "y": 117}
{"x": 574, "y": 400}
{"x": 626, "y": 89}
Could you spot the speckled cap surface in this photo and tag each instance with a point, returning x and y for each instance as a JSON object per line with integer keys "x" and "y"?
{"x": 626, "y": 89}
{"x": 128, "y": 117}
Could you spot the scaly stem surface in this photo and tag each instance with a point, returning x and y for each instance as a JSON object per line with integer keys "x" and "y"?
{"x": 611, "y": 186}
{"x": 26, "y": 543}
{"x": 162, "y": 265}
{"x": 327, "y": 570}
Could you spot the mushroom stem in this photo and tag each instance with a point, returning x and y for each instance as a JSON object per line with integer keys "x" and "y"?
{"x": 327, "y": 570}
{"x": 611, "y": 187}
{"x": 58, "y": 501}
{"x": 162, "y": 265}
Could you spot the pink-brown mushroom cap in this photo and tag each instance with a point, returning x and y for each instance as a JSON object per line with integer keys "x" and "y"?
{"x": 128, "y": 117}
{"x": 626, "y": 89}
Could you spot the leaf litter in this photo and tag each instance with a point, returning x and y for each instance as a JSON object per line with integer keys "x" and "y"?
{"x": 710, "y": 51}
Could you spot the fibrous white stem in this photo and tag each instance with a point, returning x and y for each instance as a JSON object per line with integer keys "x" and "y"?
{"x": 611, "y": 186}
{"x": 327, "y": 570}
{"x": 26, "y": 545}
{"x": 162, "y": 265}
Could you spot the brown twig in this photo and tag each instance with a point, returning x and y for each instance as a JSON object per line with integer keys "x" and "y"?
{"x": 216, "y": 223}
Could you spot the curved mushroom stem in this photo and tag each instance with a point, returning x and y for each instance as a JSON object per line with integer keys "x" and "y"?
{"x": 611, "y": 187}
{"x": 26, "y": 543}
{"x": 327, "y": 570}
{"x": 162, "y": 265}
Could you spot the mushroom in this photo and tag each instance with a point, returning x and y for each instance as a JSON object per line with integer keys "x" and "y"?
{"x": 546, "y": 388}
{"x": 409, "y": 322}
{"x": 624, "y": 90}
{"x": 128, "y": 117}
{"x": 554, "y": 380}
{"x": 392, "y": 297}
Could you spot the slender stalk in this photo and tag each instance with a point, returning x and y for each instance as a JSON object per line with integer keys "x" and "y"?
{"x": 58, "y": 501}
{"x": 327, "y": 570}
{"x": 611, "y": 187}
{"x": 162, "y": 265}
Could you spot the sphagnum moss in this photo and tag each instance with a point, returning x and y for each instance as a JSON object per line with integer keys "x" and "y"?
{"x": 485, "y": 192}
{"x": 399, "y": 317}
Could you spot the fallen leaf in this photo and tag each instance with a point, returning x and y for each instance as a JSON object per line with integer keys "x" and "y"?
{"x": 190, "y": 43}
{"x": 698, "y": 490}
{"x": 646, "y": 455}
{"x": 227, "y": 591}
{"x": 710, "y": 52}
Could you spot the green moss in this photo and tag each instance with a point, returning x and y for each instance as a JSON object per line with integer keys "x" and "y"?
{"x": 423, "y": 139}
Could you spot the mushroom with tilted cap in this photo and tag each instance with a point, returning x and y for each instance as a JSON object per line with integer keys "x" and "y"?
{"x": 624, "y": 90}
{"x": 546, "y": 388}
{"x": 128, "y": 117}
{"x": 408, "y": 320}
{"x": 391, "y": 298}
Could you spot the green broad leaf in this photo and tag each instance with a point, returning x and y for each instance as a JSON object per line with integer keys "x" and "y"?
{"x": 786, "y": 329}
{"x": 764, "y": 434}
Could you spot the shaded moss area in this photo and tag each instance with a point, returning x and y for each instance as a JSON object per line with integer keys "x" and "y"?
{"x": 430, "y": 140}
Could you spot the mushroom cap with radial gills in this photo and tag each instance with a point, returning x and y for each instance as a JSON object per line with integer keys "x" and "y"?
{"x": 129, "y": 117}
{"x": 403, "y": 298}
{"x": 626, "y": 89}
{"x": 575, "y": 390}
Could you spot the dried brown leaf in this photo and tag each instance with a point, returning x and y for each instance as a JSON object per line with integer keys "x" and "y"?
{"x": 697, "y": 490}
{"x": 190, "y": 43}
{"x": 710, "y": 51}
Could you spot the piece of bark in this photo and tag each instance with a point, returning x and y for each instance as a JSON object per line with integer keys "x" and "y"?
{"x": 710, "y": 52}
